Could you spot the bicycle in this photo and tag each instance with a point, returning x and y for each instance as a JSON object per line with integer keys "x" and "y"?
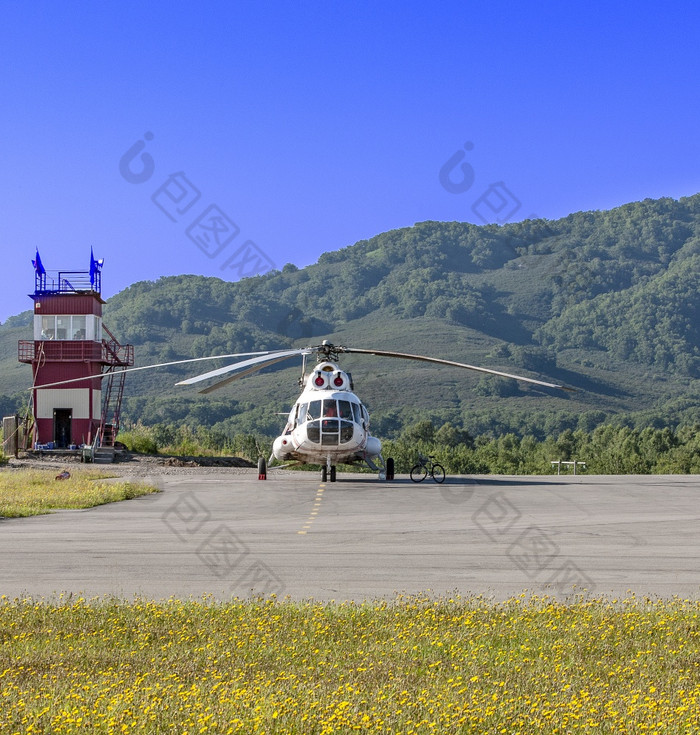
{"x": 426, "y": 467}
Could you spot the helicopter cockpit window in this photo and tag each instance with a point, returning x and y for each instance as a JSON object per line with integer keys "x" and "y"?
{"x": 313, "y": 431}
{"x": 293, "y": 420}
{"x": 328, "y": 422}
{"x": 347, "y": 431}
{"x": 314, "y": 411}
{"x": 330, "y": 431}
{"x": 329, "y": 408}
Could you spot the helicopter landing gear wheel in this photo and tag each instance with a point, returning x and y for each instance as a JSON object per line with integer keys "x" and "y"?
{"x": 328, "y": 471}
{"x": 390, "y": 468}
{"x": 262, "y": 469}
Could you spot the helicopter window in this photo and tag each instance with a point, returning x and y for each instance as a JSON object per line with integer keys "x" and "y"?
{"x": 357, "y": 414}
{"x": 329, "y": 431}
{"x": 347, "y": 430}
{"x": 313, "y": 431}
{"x": 314, "y": 411}
{"x": 301, "y": 413}
{"x": 330, "y": 408}
{"x": 292, "y": 420}
{"x": 345, "y": 410}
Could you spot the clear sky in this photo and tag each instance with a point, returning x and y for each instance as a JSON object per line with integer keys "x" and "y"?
{"x": 221, "y": 138}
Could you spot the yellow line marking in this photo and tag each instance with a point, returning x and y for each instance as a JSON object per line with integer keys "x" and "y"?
{"x": 314, "y": 511}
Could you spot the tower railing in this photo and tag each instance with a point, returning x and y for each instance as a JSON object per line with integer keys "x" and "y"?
{"x": 107, "y": 352}
{"x": 58, "y": 282}
{"x": 118, "y": 353}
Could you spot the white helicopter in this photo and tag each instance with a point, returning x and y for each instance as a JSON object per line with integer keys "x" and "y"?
{"x": 328, "y": 425}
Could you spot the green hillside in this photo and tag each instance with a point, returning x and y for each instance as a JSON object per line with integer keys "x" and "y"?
{"x": 606, "y": 302}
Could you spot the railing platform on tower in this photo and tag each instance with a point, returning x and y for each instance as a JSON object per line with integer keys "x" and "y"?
{"x": 64, "y": 282}
{"x": 108, "y": 352}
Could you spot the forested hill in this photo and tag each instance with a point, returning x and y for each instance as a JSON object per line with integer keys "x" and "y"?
{"x": 606, "y": 301}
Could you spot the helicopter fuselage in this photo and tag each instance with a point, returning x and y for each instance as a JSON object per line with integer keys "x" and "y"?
{"x": 328, "y": 424}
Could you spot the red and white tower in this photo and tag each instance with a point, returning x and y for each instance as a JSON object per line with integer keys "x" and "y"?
{"x": 76, "y": 362}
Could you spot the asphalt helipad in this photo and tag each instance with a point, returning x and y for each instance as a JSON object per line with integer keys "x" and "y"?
{"x": 226, "y": 534}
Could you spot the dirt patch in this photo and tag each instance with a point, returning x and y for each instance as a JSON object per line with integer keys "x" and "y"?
{"x": 206, "y": 462}
{"x": 130, "y": 463}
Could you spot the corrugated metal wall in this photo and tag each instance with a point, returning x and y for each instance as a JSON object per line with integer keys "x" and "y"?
{"x": 68, "y": 304}
{"x": 54, "y": 372}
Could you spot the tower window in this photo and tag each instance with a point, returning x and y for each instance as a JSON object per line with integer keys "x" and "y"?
{"x": 78, "y": 330}
{"x": 68, "y": 326}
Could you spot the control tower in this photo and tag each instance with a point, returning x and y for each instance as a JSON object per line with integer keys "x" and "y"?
{"x": 77, "y": 363}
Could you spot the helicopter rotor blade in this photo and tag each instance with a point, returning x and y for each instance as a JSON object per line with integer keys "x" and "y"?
{"x": 266, "y": 357}
{"x": 439, "y": 361}
{"x": 151, "y": 367}
{"x": 249, "y": 371}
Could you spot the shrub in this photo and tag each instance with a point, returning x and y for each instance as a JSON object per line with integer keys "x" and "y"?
{"x": 139, "y": 439}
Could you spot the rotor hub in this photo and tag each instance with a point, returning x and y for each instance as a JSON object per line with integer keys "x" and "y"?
{"x": 327, "y": 352}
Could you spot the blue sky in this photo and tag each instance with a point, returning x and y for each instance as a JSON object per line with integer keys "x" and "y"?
{"x": 271, "y": 133}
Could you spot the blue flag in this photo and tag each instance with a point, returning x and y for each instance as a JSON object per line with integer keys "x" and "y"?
{"x": 95, "y": 266}
{"x": 38, "y": 265}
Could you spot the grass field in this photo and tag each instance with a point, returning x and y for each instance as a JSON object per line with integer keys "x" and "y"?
{"x": 527, "y": 665}
{"x": 33, "y": 492}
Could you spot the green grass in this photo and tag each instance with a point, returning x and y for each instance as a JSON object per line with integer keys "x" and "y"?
{"x": 411, "y": 666}
{"x": 34, "y": 492}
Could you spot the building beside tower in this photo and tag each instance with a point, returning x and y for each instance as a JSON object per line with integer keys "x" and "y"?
{"x": 77, "y": 363}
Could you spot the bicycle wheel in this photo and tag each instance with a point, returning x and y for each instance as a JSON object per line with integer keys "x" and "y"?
{"x": 438, "y": 473}
{"x": 419, "y": 473}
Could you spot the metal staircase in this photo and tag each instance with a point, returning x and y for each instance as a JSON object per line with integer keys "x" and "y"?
{"x": 111, "y": 407}
{"x": 118, "y": 357}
